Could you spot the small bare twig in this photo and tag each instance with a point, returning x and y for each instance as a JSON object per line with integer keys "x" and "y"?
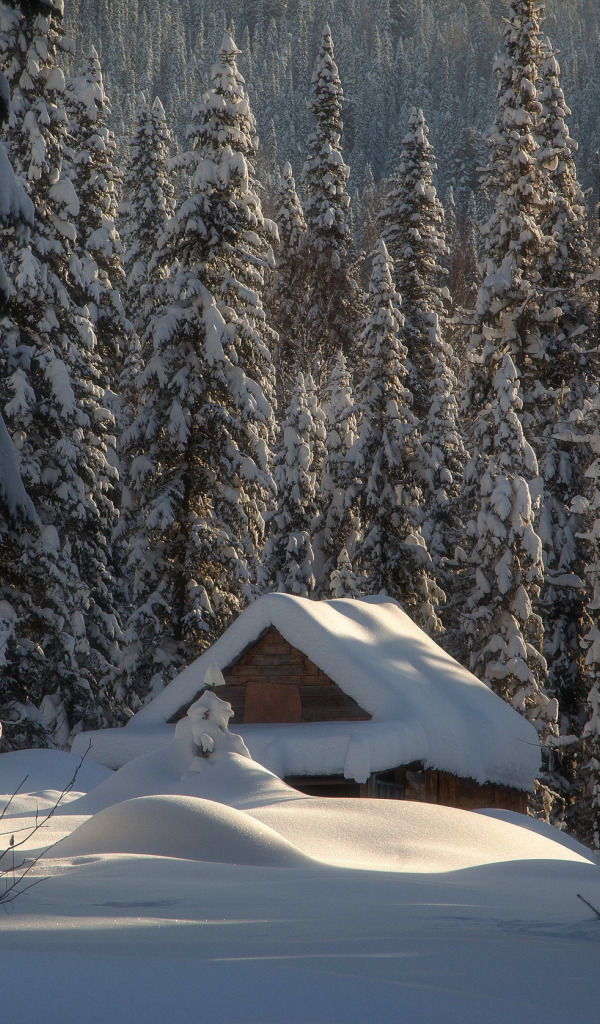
{"x": 19, "y": 871}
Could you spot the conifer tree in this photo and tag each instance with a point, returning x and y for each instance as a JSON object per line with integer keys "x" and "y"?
{"x": 342, "y": 580}
{"x": 198, "y": 448}
{"x": 532, "y": 304}
{"x": 445, "y": 453}
{"x": 588, "y": 803}
{"x": 505, "y": 631}
{"x": 332, "y": 303}
{"x": 391, "y": 554}
{"x": 234, "y": 235}
{"x": 338, "y": 526}
{"x": 52, "y": 405}
{"x": 561, "y": 392}
{"x": 97, "y": 179}
{"x": 288, "y": 556}
{"x": 412, "y": 226}
{"x": 511, "y": 311}
{"x": 148, "y": 203}
{"x": 289, "y": 280}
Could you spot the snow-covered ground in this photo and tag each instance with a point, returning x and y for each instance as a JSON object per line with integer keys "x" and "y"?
{"x": 219, "y": 894}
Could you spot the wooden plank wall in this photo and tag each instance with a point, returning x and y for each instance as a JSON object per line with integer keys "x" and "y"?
{"x": 449, "y": 790}
{"x": 272, "y": 661}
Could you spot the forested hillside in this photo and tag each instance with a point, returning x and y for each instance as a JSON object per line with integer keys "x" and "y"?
{"x": 341, "y": 362}
{"x": 392, "y": 55}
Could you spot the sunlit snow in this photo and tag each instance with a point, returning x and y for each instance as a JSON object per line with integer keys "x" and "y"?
{"x": 206, "y": 888}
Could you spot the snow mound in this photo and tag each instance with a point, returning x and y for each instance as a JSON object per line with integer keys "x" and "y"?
{"x": 47, "y": 774}
{"x": 186, "y": 828}
{"x": 203, "y": 760}
{"x": 406, "y": 837}
{"x": 233, "y": 780}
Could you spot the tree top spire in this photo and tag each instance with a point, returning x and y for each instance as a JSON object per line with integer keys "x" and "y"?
{"x": 228, "y": 47}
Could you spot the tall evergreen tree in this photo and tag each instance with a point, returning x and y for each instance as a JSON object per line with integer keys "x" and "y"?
{"x": 338, "y": 528}
{"x": 332, "y": 302}
{"x": 148, "y": 204}
{"x": 391, "y": 554}
{"x": 412, "y": 225}
{"x": 289, "y": 280}
{"x": 225, "y": 205}
{"x": 511, "y": 311}
{"x": 563, "y": 385}
{"x": 587, "y": 810}
{"x": 288, "y": 556}
{"x": 198, "y": 448}
{"x": 52, "y": 405}
{"x": 532, "y": 305}
{"x": 97, "y": 180}
{"x": 505, "y": 631}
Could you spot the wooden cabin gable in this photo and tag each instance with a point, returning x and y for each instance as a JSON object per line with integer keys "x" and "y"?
{"x": 272, "y": 681}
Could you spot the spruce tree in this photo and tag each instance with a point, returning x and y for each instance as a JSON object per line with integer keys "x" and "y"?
{"x": 198, "y": 448}
{"x": 332, "y": 303}
{"x": 511, "y": 312}
{"x": 506, "y": 633}
{"x": 413, "y": 228}
{"x": 148, "y": 204}
{"x": 97, "y": 179}
{"x": 338, "y": 526}
{"x": 587, "y": 810}
{"x": 285, "y": 294}
{"x": 225, "y": 209}
{"x": 63, "y": 591}
{"x": 532, "y": 304}
{"x": 445, "y": 453}
{"x": 561, "y": 392}
{"x": 391, "y": 554}
{"x": 288, "y": 556}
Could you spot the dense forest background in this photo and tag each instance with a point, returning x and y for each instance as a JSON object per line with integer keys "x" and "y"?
{"x": 213, "y": 385}
{"x": 392, "y": 55}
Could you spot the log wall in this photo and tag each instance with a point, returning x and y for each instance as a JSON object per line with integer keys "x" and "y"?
{"x": 272, "y": 681}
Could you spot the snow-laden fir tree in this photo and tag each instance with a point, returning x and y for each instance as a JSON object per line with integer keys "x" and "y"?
{"x": 413, "y": 228}
{"x": 338, "y": 526}
{"x": 562, "y": 389}
{"x": 199, "y": 480}
{"x": 289, "y": 562}
{"x": 17, "y": 513}
{"x": 329, "y": 318}
{"x": 97, "y": 180}
{"x": 343, "y": 581}
{"x": 505, "y": 632}
{"x": 588, "y": 803}
{"x": 52, "y": 402}
{"x": 288, "y": 283}
{"x": 325, "y": 173}
{"x": 288, "y": 556}
{"x": 391, "y": 553}
{"x": 444, "y": 450}
{"x": 227, "y": 227}
{"x": 531, "y": 305}
{"x": 512, "y": 314}
{"x": 16, "y": 208}
{"x": 198, "y": 448}
{"x": 148, "y": 204}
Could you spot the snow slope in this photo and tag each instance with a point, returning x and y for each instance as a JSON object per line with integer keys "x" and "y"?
{"x": 368, "y": 910}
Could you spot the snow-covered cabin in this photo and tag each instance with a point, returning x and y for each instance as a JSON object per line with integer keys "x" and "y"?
{"x": 348, "y": 698}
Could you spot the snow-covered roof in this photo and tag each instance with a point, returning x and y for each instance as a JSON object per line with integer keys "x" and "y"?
{"x": 424, "y": 705}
